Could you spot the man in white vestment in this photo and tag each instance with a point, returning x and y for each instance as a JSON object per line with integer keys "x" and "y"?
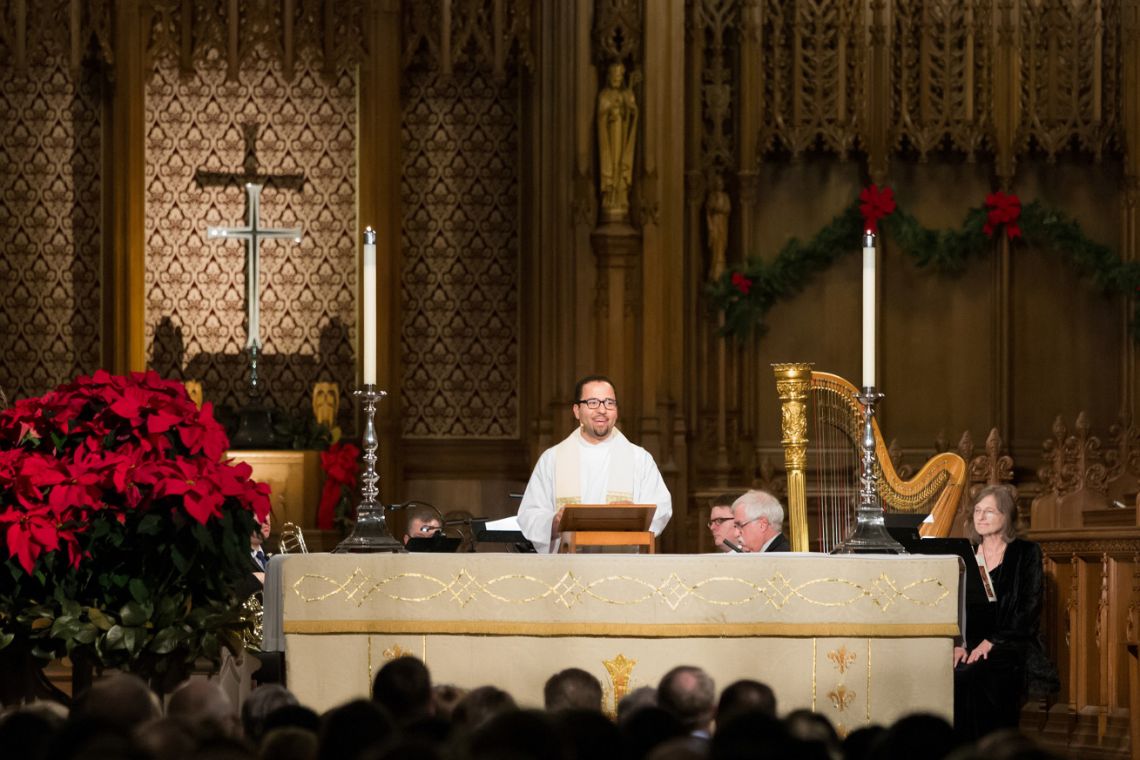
{"x": 595, "y": 464}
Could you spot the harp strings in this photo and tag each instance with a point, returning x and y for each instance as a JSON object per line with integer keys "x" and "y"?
{"x": 836, "y": 466}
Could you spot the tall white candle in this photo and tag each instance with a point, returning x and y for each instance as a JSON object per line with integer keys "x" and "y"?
{"x": 868, "y": 309}
{"x": 369, "y": 315}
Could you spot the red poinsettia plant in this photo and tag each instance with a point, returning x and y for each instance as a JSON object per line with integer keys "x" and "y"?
{"x": 125, "y": 533}
{"x": 340, "y": 462}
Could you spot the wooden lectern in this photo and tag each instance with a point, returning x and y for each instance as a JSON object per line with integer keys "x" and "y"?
{"x": 607, "y": 525}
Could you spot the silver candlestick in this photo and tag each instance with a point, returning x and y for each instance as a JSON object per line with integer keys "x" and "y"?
{"x": 370, "y": 533}
{"x": 254, "y": 378}
{"x": 870, "y": 535}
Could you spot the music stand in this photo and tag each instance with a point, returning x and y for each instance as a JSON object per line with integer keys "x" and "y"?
{"x": 437, "y": 543}
{"x": 593, "y": 525}
{"x": 514, "y": 540}
{"x": 971, "y": 592}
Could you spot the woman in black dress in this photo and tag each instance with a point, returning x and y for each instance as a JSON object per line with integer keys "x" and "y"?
{"x": 1002, "y": 644}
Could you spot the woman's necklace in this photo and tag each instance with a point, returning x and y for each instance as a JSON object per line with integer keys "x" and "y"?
{"x": 996, "y": 559}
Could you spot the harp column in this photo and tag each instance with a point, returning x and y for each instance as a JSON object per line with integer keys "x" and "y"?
{"x": 793, "y": 382}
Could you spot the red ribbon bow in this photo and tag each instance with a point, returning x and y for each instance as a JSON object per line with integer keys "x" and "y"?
{"x": 875, "y": 203}
{"x": 1002, "y": 209}
{"x": 741, "y": 283}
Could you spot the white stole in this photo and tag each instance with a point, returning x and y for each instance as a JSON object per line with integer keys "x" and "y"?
{"x": 568, "y": 470}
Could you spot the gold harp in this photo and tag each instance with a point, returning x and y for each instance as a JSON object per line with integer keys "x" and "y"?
{"x": 822, "y": 406}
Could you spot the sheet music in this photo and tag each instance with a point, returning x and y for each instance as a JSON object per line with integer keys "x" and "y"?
{"x": 505, "y": 523}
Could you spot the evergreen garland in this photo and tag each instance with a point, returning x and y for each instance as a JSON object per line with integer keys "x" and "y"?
{"x": 745, "y": 294}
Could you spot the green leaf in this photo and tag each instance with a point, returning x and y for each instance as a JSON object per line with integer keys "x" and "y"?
{"x": 133, "y": 638}
{"x": 167, "y": 640}
{"x": 114, "y": 637}
{"x": 139, "y": 590}
{"x": 179, "y": 560}
{"x": 86, "y": 633}
{"x": 151, "y": 525}
{"x": 133, "y": 613}
{"x": 6, "y": 639}
{"x": 101, "y": 621}
{"x": 64, "y": 627}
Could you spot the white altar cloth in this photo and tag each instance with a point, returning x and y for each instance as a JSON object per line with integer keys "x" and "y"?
{"x": 858, "y": 638}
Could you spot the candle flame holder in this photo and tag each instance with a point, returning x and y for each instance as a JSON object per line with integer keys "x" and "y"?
{"x": 370, "y": 532}
{"x": 870, "y": 535}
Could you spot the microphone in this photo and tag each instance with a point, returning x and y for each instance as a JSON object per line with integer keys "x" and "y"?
{"x": 733, "y": 546}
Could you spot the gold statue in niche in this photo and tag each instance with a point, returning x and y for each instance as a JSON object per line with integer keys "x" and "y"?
{"x": 326, "y": 403}
{"x": 193, "y": 390}
{"x": 617, "y": 139}
{"x": 717, "y": 208}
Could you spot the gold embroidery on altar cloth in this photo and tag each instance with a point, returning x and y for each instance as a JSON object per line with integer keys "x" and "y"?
{"x": 841, "y": 697}
{"x": 842, "y": 658}
{"x": 868, "y": 699}
{"x": 570, "y": 590}
{"x": 620, "y": 671}
{"x": 814, "y": 663}
{"x": 395, "y": 651}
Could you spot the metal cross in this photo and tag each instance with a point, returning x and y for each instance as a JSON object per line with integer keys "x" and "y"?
{"x": 253, "y": 234}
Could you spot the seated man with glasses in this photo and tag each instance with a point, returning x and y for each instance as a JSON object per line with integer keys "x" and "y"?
{"x": 595, "y": 464}
{"x": 721, "y": 524}
{"x": 424, "y": 521}
{"x": 760, "y": 520}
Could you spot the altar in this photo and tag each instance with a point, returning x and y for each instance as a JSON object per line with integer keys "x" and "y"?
{"x": 861, "y": 639}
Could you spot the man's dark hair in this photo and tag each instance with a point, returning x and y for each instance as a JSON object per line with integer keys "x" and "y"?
{"x": 424, "y": 513}
{"x": 744, "y": 696}
{"x": 917, "y": 735}
{"x": 646, "y": 727}
{"x": 122, "y": 701}
{"x": 591, "y": 379}
{"x": 259, "y": 704}
{"x": 590, "y": 735}
{"x": 642, "y": 696}
{"x": 480, "y": 705}
{"x": 724, "y": 499}
{"x": 350, "y": 729}
{"x": 572, "y": 689}
{"x": 688, "y": 693}
{"x": 403, "y": 687}
{"x": 292, "y": 716}
{"x": 517, "y": 734}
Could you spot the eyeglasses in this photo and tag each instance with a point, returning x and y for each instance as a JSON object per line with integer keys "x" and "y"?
{"x": 716, "y": 522}
{"x": 594, "y": 403}
{"x": 741, "y": 525}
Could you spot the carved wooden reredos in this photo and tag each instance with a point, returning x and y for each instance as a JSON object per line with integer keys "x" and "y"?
{"x": 465, "y": 132}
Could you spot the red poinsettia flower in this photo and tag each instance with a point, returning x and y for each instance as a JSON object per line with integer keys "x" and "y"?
{"x": 875, "y": 203}
{"x": 741, "y": 283}
{"x": 201, "y": 498}
{"x": 234, "y": 480}
{"x": 30, "y": 535}
{"x": 80, "y": 486}
{"x": 1002, "y": 208}
{"x": 205, "y": 434}
{"x": 339, "y": 462}
{"x": 103, "y": 448}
